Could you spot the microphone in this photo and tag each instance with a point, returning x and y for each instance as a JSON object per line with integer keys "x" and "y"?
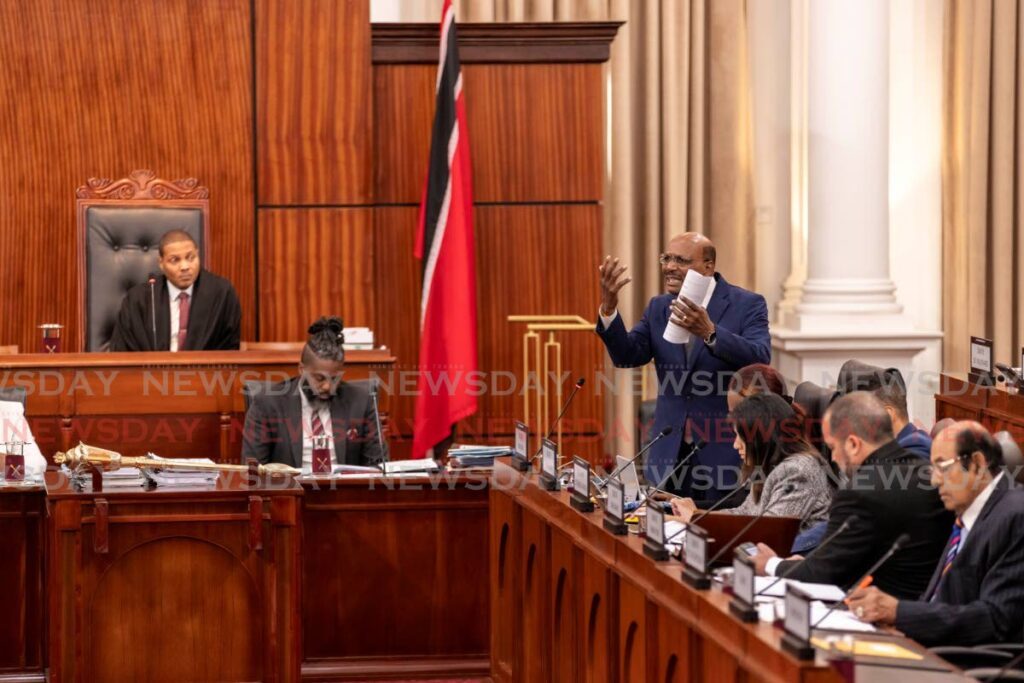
{"x": 842, "y": 528}
{"x": 786, "y": 490}
{"x": 897, "y": 544}
{"x": 707, "y": 512}
{"x": 694, "y": 447}
{"x": 618, "y": 470}
{"x": 376, "y": 417}
{"x": 1010, "y": 375}
{"x": 152, "y": 306}
{"x": 579, "y": 385}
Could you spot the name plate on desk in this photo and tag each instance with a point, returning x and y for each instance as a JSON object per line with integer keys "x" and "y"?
{"x": 521, "y": 449}
{"x": 654, "y": 535}
{"x": 796, "y": 626}
{"x": 614, "y": 515}
{"x": 695, "y": 558}
{"x": 549, "y": 465}
{"x": 742, "y": 604}
{"x": 981, "y": 362}
{"x": 580, "y": 498}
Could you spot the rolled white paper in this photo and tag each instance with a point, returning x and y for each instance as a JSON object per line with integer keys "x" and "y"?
{"x": 695, "y": 288}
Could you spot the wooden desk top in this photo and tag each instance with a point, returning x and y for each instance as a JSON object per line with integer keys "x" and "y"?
{"x": 59, "y": 487}
{"x": 758, "y": 645}
{"x": 181, "y": 359}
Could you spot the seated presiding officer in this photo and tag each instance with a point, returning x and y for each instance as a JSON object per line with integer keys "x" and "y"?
{"x": 195, "y": 309}
{"x": 729, "y": 330}
{"x": 976, "y": 594}
{"x": 888, "y": 493}
{"x": 281, "y": 423}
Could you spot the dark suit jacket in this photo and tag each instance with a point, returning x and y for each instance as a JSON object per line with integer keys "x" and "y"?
{"x": 693, "y": 387}
{"x": 215, "y": 317}
{"x": 273, "y": 426}
{"x": 890, "y": 494}
{"x": 981, "y": 600}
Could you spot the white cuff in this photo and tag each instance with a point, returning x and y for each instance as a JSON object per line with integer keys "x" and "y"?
{"x": 772, "y": 565}
{"x": 607, "y": 320}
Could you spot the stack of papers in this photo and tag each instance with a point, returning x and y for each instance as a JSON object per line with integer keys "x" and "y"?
{"x": 123, "y": 479}
{"x": 468, "y": 455}
{"x": 418, "y": 466}
{"x": 817, "y": 591}
{"x": 839, "y": 620}
{"x": 180, "y": 477}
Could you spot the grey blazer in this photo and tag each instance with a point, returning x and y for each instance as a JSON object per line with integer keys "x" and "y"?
{"x": 273, "y": 426}
{"x": 810, "y": 498}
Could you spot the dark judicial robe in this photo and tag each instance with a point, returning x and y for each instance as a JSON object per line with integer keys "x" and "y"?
{"x": 214, "y": 317}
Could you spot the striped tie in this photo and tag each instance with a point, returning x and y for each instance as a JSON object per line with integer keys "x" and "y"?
{"x": 954, "y": 548}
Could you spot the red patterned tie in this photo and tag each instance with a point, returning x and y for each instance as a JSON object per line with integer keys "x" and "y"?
{"x": 182, "y": 320}
{"x": 321, "y": 455}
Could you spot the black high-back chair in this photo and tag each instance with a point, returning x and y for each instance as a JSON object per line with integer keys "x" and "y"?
{"x": 120, "y": 224}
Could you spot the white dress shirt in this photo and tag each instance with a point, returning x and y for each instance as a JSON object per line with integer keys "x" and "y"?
{"x": 14, "y": 427}
{"x": 324, "y": 411}
{"x": 607, "y": 320}
{"x": 970, "y": 515}
{"x": 175, "y": 317}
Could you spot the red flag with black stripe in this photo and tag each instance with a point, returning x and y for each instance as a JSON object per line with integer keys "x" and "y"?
{"x": 444, "y": 245}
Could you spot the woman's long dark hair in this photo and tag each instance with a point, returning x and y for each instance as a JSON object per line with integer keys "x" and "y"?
{"x": 772, "y": 431}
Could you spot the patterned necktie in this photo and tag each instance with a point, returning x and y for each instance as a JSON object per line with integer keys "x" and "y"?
{"x": 954, "y": 548}
{"x": 321, "y": 453}
{"x": 182, "y": 319}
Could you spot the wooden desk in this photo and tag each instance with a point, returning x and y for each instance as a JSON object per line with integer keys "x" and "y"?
{"x": 393, "y": 574}
{"x": 394, "y": 577}
{"x": 22, "y": 646}
{"x": 187, "y": 584}
{"x": 578, "y": 603}
{"x": 997, "y": 408}
{"x": 184, "y": 404}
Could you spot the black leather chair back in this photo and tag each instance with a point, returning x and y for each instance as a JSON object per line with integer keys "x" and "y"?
{"x": 121, "y": 250}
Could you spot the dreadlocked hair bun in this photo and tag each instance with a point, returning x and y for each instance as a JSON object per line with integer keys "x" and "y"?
{"x": 326, "y": 338}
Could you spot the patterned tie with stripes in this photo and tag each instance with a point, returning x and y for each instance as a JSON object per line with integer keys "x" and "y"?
{"x": 954, "y": 548}
{"x": 321, "y": 450}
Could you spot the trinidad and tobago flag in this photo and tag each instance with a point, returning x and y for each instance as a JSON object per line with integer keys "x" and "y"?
{"x": 444, "y": 244}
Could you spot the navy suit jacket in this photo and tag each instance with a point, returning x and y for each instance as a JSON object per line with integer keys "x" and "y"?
{"x": 915, "y": 440}
{"x": 981, "y": 600}
{"x": 693, "y": 388}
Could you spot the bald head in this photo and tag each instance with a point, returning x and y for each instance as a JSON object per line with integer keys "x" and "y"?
{"x": 965, "y": 457}
{"x": 683, "y": 252}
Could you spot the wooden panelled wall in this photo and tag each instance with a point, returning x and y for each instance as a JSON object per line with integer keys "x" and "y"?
{"x": 311, "y": 129}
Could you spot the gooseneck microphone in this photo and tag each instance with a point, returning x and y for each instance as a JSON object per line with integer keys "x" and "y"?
{"x": 897, "y": 544}
{"x": 786, "y": 490}
{"x": 707, "y": 512}
{"x": 852, "y": 519}
{"x": 579, "y": 385}
{"x": 659, "y": 487}
{"x": 376, "y": 417}
{"x": 152, "y": 307}
{"x": 618, "y": 470}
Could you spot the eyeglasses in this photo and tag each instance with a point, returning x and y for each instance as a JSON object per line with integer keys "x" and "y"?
{"x": 665, "y": 259}
{"x": 943, "y": 466}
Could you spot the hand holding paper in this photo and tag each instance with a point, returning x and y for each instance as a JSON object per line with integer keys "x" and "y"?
{"x": 695, "y": 288}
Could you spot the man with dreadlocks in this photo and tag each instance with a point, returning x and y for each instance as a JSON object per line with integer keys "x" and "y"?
{"x": 315, "y": 414}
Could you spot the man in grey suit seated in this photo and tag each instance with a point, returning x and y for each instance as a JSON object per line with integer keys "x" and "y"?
{"x": 977, "y": 592}
{"x": 316, "y": 414}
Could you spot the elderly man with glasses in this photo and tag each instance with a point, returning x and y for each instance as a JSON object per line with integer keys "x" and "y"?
{"x": 728, "y": 330}
{"x": 976, "y": 594}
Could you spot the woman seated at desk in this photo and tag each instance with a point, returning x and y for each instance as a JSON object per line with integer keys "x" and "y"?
{"x": 786, "y": 475}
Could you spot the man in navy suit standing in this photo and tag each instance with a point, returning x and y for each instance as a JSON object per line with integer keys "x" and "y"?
{"x": 729, "y": 330}
{"x": 977, "y": 592}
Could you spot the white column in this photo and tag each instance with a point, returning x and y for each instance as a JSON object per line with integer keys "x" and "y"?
{"x": 848, "y": 306}
{"x": 848, "y": 162}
